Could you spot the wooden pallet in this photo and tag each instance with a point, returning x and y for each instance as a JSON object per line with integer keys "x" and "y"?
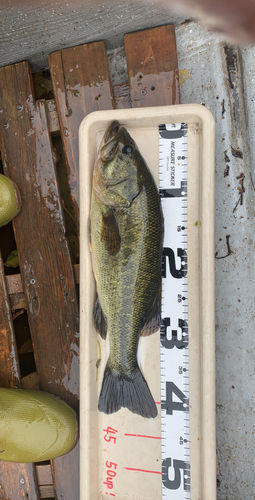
{"x": 46, "y": 285}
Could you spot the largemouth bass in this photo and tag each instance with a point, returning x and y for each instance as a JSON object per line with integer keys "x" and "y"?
{"x": 126, "y": 246}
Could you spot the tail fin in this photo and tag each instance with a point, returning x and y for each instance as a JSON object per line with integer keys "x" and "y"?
{"x": 128, "y": 390}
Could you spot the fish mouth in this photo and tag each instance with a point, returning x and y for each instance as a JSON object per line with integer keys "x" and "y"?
{"x": 110, "y": 141}
{"x": 111, "y": 131}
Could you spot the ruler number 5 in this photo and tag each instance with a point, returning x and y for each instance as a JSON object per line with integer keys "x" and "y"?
{"x": 175, "y": 483}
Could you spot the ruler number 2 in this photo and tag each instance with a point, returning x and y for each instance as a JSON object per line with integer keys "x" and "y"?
{"x": 176, "y": 273}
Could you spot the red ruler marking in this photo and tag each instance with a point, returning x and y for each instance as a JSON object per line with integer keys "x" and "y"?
{"x": 143, "y": 436}
{"x": 143, "y": 470}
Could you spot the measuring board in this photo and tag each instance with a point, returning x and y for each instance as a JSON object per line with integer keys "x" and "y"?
{"x": 174, "y": 313}
{"x": 171, "y": 456}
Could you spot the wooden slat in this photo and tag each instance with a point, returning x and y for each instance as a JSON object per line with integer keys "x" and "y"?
{"x": 18, "y": 301}
{"x": 52, "y": 116}
{"x": 46, "y": 491}
{"x": 121, "y": 96}
{"x": 9, "y": 361}
{"x": 30, "y": 381}
{"x": 45, "y": 263}
{"x": 15, "y": 286}
{"x": 152, "y": 67}
{"x": 65, "y": 478}
{"x": 81, "y": 84}
{"x": 44, "y": 475}
{"x": 15, "y": 289}
{"x": 18, "y": 481}
{"x": 11, "y": 474}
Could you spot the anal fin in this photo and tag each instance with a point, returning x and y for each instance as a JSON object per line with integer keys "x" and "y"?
{"x": 152, "y": 321}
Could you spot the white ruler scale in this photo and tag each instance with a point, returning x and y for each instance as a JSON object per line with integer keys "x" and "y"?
{"x": 174, "y": 312}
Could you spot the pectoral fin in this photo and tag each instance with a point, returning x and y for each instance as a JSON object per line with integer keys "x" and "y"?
{"x": 100, "y": 321}
{"x": 152, "y": 322}
{"x": 110, "y": 232}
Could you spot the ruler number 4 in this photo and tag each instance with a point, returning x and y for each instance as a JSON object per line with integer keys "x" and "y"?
{"x": 169, "y": 405}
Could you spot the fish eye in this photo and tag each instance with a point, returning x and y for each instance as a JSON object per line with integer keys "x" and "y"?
{"x": 127, "y": 150}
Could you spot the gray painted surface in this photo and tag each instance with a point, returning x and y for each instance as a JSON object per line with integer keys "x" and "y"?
{"x": 32, "y": 30}
{"x": 224, "y": 81}
{"x": 213, "y": 80}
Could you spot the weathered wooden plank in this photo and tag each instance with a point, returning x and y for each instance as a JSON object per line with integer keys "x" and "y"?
{"x": 14, "y": 284}
{"x": 18, "y": 481}
{"x": 66, "y": 483}
{"x": 81, "y": 84}
{"x": 9, "y": 361}
{"x": 52, "y": 115}
{"x": 46, "y": 491}
{"x": 15, "y": 289}
{"x": 11, "y": 486}
{"x": 17, "y": 301}
{"x": 30, "y": 381}
{"x": 152, "y": 67}
{"x": 44, "y": 475}
{"x": 45, "y": 263}
{"x": 121, "y": 96}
